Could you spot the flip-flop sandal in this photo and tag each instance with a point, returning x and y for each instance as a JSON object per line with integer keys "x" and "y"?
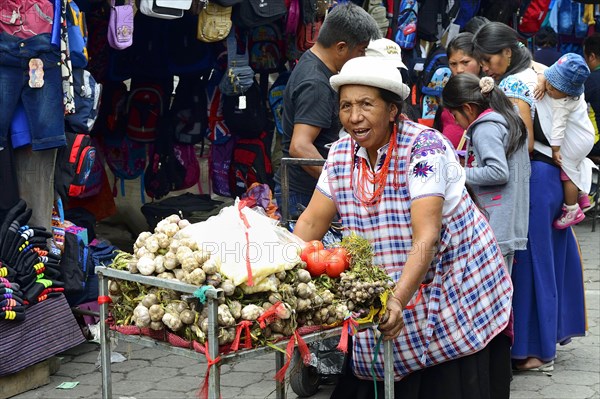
{"x": 546, "y": 367}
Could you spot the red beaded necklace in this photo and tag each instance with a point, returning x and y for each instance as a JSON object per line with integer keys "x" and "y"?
{"x": 367, "y": 177}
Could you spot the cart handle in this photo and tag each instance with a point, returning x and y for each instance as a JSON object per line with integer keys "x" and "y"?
{"x": 285, "y": 184}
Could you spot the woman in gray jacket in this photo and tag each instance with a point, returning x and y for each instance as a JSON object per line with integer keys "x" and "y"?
{"x": 497, "y": 165}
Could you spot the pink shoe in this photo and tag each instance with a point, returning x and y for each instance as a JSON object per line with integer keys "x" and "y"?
{"x": 568, "y": 218}
{"x": 584, "y": 201}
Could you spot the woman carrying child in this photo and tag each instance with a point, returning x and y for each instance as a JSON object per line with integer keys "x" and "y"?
{"x": 569, "y": 132}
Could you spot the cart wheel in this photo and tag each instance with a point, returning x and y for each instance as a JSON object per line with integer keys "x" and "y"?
{"x": 304, "y": 380}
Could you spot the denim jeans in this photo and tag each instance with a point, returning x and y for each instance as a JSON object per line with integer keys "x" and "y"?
{"x": 294, "y": 200}
{"x": 43, "y": 106}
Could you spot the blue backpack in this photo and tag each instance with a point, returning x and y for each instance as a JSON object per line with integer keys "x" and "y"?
{"x": 126, "y": 159}
{"x": 465, "y": 10}
{"x": 276, "y": 99}
{"x": 87, "y": 102}
{"x": 406, "y": 32}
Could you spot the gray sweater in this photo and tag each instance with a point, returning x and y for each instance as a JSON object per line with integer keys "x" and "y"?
{"x": 501, "y": 185}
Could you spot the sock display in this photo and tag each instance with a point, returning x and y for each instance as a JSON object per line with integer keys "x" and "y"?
{"x": 29, "y": 272}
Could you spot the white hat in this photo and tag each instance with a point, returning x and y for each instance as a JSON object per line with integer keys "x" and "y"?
{"x": 370, "y": 71}
{"x": 388, "y": 50}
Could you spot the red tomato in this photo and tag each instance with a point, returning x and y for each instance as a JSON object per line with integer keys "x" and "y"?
{"x": 315, "y": 262}
{"x": 311, "y": 246}
{"x": 335, "y": 265}
{"x": 341, "y": 251}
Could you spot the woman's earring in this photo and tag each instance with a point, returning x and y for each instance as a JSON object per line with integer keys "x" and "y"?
{"x": 509, "y": 58}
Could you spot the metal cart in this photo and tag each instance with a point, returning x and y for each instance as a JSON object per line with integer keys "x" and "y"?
{"x": 304, "y": 380}
{"x": 285, "y": 183}
{"x": 214, "y": 389}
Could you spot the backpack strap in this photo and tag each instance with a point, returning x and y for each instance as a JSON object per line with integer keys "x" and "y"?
{"x": 233, "y": 58}
{"x": 115, "y": 192}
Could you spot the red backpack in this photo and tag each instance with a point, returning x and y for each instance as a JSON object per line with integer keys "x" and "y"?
{"x": 531, "y": 15}
{"x": 144, "y": 109}
{"x": 251, "y": 163}
{"x": 74, "y": 164}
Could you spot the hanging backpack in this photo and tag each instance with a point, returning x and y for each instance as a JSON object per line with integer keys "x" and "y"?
{"x": 500, "y": 11}
{"x": 87, "y": 102}
{"x": 164, "y": 172}
{"x": 266, "y": 48}
{"x": 464, "y": 10}
{"x": 433, "y": 18}
{"x": 293, "y": 17}
{"x": 125, "y": 158}
{"x": 276, "y": 99}
{"x": 245, "y": 114}
{"x": 239, "y": 76}
{"x": 97, "y": 44}
{"x": 406, "y": 24}
{"x": 219, "y": 161}
{"x": 432, "y": 80}
{"x": 307, "y": 35}
{"x": 95, "y": 179}
{"x": 309, "y": 26}
{"x": 189, "y": 110}
{"x": 186, "y": 156}
{"x": 73, "y": 165}
{"x": 252, "y": 13}
{"x": 378, "y": 11}
{"x": 251, "y": 164}
{"x": 77, "y": 34}
{"x": 187, "y": 54}
{"x": 217, "y": 131}
{"x": 144, "y": 109}
{"x": 111, "y": 114}
{"x": 531, "y": 16}
{"x": 147, "y": 58}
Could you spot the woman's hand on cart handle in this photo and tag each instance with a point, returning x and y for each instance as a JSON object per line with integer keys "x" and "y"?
{"x": 392, "y": 322}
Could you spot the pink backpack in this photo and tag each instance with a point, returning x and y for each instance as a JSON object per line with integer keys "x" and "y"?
{"x": 186, "y": 155}
{"x": 293, "y": 17}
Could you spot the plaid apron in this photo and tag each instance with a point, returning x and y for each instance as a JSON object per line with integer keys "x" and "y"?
{"x": 466, "y": 300}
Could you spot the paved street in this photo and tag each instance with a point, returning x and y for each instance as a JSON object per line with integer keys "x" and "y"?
{"x": 150, "y": 373}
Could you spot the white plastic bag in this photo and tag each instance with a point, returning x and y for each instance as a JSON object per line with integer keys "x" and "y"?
{"x": 269, "y": 248}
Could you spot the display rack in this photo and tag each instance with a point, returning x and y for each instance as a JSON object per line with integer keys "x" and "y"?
{"x": 214, "y": 387}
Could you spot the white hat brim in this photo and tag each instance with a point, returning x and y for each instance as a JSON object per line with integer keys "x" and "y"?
{"x": 381, "y": 82}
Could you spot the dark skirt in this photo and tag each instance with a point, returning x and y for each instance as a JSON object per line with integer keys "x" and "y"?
{"x": 483, "y": 375}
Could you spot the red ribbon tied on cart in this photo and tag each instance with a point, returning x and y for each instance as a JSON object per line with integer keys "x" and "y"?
{"x": 349, "y": 327}
{"x": 241, "y": 205}
{"x": 270, "y": 315}
{"x": 245, "y": 326}
{"x": 302, "y": 348}
{"x": 203, "y": 393}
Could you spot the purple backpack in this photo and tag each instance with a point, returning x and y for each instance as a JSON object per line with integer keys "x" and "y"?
{"x": 219, "y": 163}
{"x": 120, "y": 26}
